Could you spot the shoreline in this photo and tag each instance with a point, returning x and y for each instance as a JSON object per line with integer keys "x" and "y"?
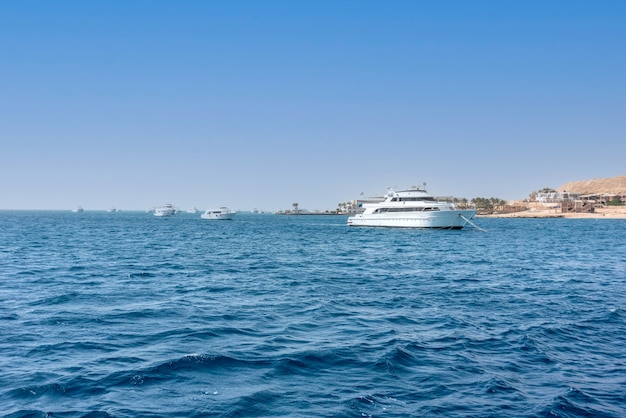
{"x": 618, "y": 212}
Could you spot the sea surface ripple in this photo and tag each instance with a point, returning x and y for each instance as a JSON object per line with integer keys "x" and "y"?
{"x": 128, "y": 315}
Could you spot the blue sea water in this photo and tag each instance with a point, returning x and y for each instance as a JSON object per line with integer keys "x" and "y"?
{"x": 128, "y": 315}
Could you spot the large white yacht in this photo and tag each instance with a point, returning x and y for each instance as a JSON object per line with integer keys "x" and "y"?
{"x": 412, "y": 208}
{"x": 222, "y": 213}
{"x": 166, "y": 210}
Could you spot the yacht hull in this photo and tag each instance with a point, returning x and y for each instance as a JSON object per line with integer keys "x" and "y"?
{"x": 450, "y": 219}
{"x": 162, "y": 214}
{"x": 222, "y": 216}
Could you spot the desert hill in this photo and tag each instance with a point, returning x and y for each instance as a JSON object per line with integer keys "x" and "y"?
{"x": 613, "y": 185}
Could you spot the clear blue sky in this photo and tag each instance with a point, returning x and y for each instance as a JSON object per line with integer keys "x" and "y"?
{"x": 261, "y": 104}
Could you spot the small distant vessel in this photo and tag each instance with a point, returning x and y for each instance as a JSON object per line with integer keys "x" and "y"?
{"x": 222, "y": 213}
{"x": 193, "y": 210}
{"x": 78, "y": 209}
{"x": 166, "y": 210}
{"x": 412, "y": 208}
{"x": 112, "y": 210}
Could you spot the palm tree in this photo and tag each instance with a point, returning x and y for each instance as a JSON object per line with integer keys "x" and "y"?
{"x": 295, "y": 207}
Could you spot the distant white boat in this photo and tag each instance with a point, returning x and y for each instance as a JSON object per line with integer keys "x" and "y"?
{"x": 112, "y": 210}
{"x": 165, "y": 210}
{"x": 77, "y": 209}
{"x": 193, "y": 210}
{"x": 413, "y": 208}
{"x": 223, "y": 213}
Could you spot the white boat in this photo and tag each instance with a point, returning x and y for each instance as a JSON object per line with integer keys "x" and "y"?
{"x": 222, "y": 213}
{"x": 78, "y": 209}
{"x": 193, "y": 210}
{"x": 165, "y": 210}
{"x": 413, "y": 208}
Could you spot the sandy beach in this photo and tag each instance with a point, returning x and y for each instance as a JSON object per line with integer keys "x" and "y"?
{"x": 548, "y": 211}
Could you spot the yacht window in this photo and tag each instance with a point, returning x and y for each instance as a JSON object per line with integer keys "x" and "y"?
{"x": 403, "y": 209}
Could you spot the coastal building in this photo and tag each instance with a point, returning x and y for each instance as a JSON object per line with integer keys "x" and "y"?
{"x": 553, "y": 196}
{"x": 604, "y": 198}
{"x": 578, "y": 206}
